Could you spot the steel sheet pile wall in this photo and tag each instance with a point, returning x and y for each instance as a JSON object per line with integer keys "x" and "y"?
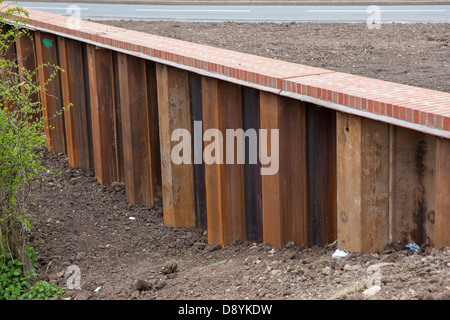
{"x": 362, "y": 161}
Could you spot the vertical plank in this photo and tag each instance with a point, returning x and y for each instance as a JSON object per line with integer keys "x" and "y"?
{"x": 442, "y": 205}
{"x": 27, "y": 60}
{"x": 135, "y": 130}
{"x": 284, "y": 200}
{"x": 174, "y": 113}
{"x": 252, "y": 171}
{"x": 10, "y": 55}
{"x": 363, "y": 183}
{"x": 196, "y": 105}
{"x": 103, "y": 106}
{"x": 224, "y": 182}
{"x": 75, "y": 91}
{"x": 211, "y": 120}
{"x": 51, "y": 98}
{"x": 413, "y": 189}
{"x": 153, "y": 125}
{"x": 69, "y": 125}
{"x": 321, "y": 168}
{"x": 118, "y": 142}
{"x": 232, "y": 174}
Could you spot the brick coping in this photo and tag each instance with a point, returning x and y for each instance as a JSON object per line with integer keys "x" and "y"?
{"x": 416, "y": 108}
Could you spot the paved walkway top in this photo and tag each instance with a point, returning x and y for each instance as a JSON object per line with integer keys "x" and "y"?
{"x": 407, "y": 106}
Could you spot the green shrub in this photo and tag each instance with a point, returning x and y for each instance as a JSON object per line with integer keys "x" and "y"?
{"x": 15, "y": 284}
{"x": 22, "y": 137}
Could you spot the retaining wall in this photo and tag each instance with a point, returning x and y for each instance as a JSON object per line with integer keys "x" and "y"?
{"x": 363, "y": 161}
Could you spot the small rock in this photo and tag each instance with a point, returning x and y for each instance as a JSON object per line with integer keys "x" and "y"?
{"x": 170, "y": 267}
{"x": 373, "y": 290}
{"x": 249, "y": 260}
{"x": 210, "y": 247}
{"x": 142, "y": 285}
{"x": 289, "y": 255}
{"x": 356, "y": 267}
{"x": 290, "y": 245}
{"x": 275, "y": 272}
{"x": 199, "y": 245}
{"x": 326, "y": 271}
{"x": 159, "y": 285}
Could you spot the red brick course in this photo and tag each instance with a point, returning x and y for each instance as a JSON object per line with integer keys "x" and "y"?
{"x": 418, "y": 108}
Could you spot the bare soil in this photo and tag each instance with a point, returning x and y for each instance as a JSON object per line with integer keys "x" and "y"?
{"x": 79, "y": 222}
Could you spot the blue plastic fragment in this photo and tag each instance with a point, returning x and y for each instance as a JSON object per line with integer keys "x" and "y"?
{"x": 333, "y": 244}
{"x": 412, "y": 246}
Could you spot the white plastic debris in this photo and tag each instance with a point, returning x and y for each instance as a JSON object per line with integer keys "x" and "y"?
{"x": 97, "y": 289}
{"x": 373, "y": 290}
{"x": 339, "y": 254}
{"x": 131, "y": 218}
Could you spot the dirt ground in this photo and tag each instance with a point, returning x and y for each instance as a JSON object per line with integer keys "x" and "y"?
{"x": 79, "y": 222}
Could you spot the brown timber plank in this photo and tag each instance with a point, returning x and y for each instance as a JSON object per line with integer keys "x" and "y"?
{"x": 174, "y": 113}
{"x": 442, "y": 205}
{"x": 413, "y": 190}
{"x": 363, "y": 183}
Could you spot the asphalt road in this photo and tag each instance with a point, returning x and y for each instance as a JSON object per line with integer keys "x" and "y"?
{"x": 256, "y": 13}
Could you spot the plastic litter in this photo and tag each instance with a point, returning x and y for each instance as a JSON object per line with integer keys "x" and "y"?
{"x": 131, "y": 218}
{"x": 333, "y": 244}
{"x": 97, "y": 289}
{"x": 339, "y": 254}
{"x": 412, "y": 246}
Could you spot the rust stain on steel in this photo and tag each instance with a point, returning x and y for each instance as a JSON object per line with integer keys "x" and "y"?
{"x": 321, "y": 156}
{"x": 103, "y": 105}
{"x": 211, "y": 115}
{"x": 196, "y": 105}
{"x": 135, "y": 131}
{"x": 51, "y": 99}
{"x": 222, "y": 109}
{"x": 76, "y": 91}
{"x": 284, "y": 199}
{"x": 27, "y": 60}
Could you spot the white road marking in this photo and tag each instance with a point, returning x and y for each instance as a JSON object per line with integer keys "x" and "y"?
{"x": 382, "y": 10}
{"x": 194, "y": 10}
{"x": 52, "y": 8}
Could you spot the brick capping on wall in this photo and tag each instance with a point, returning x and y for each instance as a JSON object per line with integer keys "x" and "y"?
{"x": 412, "y": 107}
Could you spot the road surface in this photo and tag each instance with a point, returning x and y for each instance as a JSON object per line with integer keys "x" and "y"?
{"x": 243, "y": 13}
